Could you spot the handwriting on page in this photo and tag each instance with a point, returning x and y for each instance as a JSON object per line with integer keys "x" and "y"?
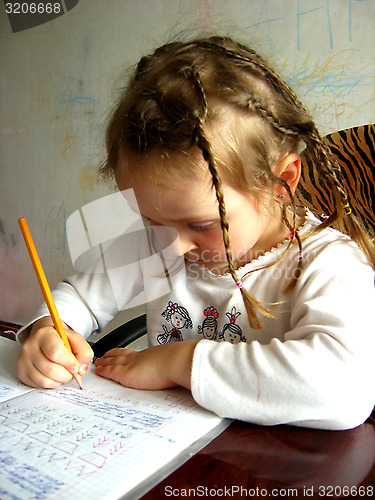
{"x": 12, "y": 390}
{"x": 10, "y": 387}
{"x": 53, "y": 441}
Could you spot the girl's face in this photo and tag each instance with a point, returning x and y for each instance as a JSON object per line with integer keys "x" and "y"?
{"x": 189, "y": 206}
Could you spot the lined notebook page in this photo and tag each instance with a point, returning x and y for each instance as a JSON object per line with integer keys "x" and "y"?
{"x": 10, "y": 387}
{"x": 97, "y": 443}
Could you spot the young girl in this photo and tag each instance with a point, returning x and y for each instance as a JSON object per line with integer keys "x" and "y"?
{"x": 207, "y": 135}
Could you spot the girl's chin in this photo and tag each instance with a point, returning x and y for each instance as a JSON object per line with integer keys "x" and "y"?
{"x": 205, "y": 261}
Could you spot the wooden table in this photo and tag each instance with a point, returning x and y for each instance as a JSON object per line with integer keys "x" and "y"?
{"x": 277, "y": 462}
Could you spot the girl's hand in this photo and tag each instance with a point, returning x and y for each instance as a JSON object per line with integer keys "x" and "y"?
{"x": 159, "y": 367}
{"x": 45, "y": 362}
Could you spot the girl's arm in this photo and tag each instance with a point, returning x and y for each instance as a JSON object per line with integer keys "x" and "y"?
{"x": 321, "y": 373}
{"x": 158, "y": 367}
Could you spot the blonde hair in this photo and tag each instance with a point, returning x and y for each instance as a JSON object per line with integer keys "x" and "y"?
{"x": 171, "y": 98}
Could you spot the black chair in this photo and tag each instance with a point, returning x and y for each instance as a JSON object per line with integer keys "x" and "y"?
{"x": 120, "y": 336}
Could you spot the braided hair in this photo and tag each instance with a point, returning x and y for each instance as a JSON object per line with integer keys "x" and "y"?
{"x": 170, "y": 100}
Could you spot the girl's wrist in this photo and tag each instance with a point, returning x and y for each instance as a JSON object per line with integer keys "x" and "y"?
{"x": 178, "y": 362}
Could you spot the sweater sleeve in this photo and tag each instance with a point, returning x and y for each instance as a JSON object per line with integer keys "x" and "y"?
{"x": 321, "y": 374}
{"x": 89, "y": 301}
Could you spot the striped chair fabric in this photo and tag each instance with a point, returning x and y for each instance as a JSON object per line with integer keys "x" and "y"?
{"x": 354, "y": 150}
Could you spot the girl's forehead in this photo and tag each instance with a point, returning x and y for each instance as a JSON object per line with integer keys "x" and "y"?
{"x": 162, "y": 175}
{"x": 178, "y": 200}
{"x": 164, "y": 167}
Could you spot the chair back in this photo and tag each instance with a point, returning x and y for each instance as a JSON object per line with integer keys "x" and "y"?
{"x": 354, "y": 150}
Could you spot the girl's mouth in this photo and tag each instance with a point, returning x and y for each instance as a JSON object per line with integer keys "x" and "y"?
{"x": 192, "y": 258}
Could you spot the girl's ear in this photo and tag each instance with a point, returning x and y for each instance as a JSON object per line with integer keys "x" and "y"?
{"x": 289, "y": 170}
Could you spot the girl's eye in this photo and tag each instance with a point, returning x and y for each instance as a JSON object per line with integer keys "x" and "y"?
{"x": 203, "y": 226}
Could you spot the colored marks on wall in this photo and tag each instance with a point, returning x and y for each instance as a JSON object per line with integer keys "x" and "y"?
{"x": 202, "y": 11}
{"x": 306, "y": 15}
{"x": 332, "y": 86}
{"x": 74, "y": 119}
{"x": 330, "y": 72}
{"x": 54, "y": 228}
{"x": 88, "y": 178}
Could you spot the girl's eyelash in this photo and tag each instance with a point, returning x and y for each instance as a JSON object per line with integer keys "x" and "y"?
{"x": 202, "y": 227}
{"x": 205, "y": 226}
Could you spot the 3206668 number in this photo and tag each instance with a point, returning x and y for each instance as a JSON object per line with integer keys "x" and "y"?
{"x": 33, "y": 8}
{"x": 346, "y": 491}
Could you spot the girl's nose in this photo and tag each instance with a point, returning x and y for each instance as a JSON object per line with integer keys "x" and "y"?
{"x": 179, "y": 242}
{"x": 187, "y": 245}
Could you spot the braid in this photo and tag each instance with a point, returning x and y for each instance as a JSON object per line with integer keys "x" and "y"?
{"x": 251, "y": 304}
{"x": 252, "y": 60}
{"x": 254, "y": 104}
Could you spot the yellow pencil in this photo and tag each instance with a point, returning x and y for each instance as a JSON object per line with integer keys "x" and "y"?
{"x": 45, "y": 288}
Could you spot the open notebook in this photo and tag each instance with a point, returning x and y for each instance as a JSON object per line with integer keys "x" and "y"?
{"x": 104, "y": 442}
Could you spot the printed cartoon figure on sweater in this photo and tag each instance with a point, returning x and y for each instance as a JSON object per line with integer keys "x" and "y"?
{"x": 231, "y": 332}
{"x": 179, "y": 318}
{"x": 208, "y": 329}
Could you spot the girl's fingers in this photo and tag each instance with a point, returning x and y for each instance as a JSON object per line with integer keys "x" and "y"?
{"x": 32, "y": 376}
{"x": 119, "y": 351}
{"x": 80, "y": 348}
{"x": 53, "y": 371}
{"x": 54, "y": 349}
{"x": 112, "y": 360}
{"x": 113, "y": 372}
{"x": 36, "y": 369}
{"x": 46, "y": 362}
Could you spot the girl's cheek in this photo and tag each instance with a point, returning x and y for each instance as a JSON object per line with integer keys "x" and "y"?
{"x": 215, "y": 247}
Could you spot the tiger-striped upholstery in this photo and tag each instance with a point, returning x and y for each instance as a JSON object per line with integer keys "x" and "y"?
{"x": 354, "y": 150}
